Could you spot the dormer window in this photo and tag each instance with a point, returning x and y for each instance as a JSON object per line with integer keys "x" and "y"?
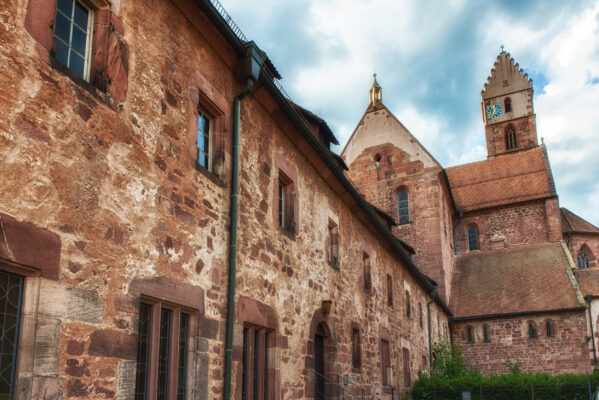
{"x": 508, "y": 105}
{"x": 511, "y": 141}
{"x": 472, "y": 238}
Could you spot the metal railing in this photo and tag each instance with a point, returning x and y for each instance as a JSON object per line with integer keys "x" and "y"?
{"x": 221, "y": 10}
{"x": 364, "y": 393}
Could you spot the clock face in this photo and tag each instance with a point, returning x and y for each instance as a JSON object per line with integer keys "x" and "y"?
{"x": 494, "y": 110}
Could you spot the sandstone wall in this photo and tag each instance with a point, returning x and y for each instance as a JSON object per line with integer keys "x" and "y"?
{"x": 566, "y": 351}
{"x": 116, "y": 182}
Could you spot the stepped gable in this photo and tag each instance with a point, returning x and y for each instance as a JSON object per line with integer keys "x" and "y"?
{"x": 515, "y": 280}
{"x": 511, "y": 178}
{"x": 506, "y": 77}
{"x": 573, "y": 223}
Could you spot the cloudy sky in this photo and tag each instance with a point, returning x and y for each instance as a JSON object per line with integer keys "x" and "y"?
{"x": 432, "y": 59}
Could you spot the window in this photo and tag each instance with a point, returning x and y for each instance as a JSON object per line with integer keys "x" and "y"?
{"x": 532, "y": 330}
{"x": 470, "y": 333}
{"x": 408, "y": 306}
{"x": 204, "y": 141}
{"x": 285, "y": 211}
{"x": 367, "y": 275}
{"x": 389, "y": 290}
{"x": 420, "y": 315}
{"x": 407, "y": 379}
{"x": 386, "y": 362}
{"x": 472, "y": 238}
{"x": 424, "y": 364}
{"x": 11, "y": 289}
{"x": 356, "y": 354}
{"x": 333, "y": 245}
{"x": 256, "y": 341}
{"x": 403, "y": 205}
{"x": 162, "y": 351}
{"x": 548, "y": 329}
{"x": 582, "y": 260}
{"x": 72, "y": 36}
{"x": 511, "y": 141}
{"x": 508, "y": 105}
{"x": 486, "y": 334}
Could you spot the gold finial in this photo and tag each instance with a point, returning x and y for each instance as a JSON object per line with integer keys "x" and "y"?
{"x": 376, "y": 92}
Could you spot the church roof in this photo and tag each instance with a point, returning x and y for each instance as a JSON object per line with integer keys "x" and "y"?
{"x": 588, "y": 279}
{"x": 506, "y": 77}
{"x": 511, "y": 178}
{"x": 573, "y": 223}
{"x": 521, "y": 279}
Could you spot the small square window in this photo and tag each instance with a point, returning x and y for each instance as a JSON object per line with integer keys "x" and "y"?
{"x": 204, "y": 141}
{"x": 72, "y": 36}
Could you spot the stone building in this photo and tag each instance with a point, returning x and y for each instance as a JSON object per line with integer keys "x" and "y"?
{"x": 491, "y": 233}
{"x": 173, "y": 226}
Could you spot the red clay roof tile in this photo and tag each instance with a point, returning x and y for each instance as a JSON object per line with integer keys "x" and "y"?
{"x": 506, "y": 179}
{"x": 573, "y": 223}
{"x": 588, "y": 279}
{"x": 518, "y": 279}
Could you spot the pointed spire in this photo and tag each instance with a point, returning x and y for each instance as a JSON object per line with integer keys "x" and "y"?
{"x": 376, "y": 92}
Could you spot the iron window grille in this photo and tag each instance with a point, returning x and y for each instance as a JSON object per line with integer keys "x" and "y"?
{"x": 255, "y": 375}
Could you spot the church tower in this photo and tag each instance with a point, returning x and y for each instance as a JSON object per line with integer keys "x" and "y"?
{"x": 507, "y": 108}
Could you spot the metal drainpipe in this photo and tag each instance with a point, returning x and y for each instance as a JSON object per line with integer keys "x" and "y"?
{"x": 250, "y": 70}
{"x": 430, "y": 337}
{"x": 589, "y": 298}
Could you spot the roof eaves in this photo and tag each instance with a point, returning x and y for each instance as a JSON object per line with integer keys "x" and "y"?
{"x": 288, "y": 108}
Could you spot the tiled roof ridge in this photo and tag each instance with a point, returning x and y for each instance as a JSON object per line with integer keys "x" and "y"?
{"x": 504, "y": 155}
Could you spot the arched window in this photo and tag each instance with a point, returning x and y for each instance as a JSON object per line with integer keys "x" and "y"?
{"x": 511, "y": 141}
{"x": 508, "y": 104}
{"x": 486, "y": 334}
{"x": 533, "y": 331}
{"x": 472, "y": 238}
{"x": 403, "y": 206}
{"x": 583, "y": 259}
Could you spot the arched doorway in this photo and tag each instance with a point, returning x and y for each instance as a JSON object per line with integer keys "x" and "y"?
{"x": 319, "y": 363}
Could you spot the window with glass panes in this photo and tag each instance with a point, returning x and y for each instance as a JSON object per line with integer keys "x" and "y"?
{"x": 72, "y": 36}
{"x": 162, "y": 351}
{"x": 204, "y": 141}
{"x": 472, "y": 238}
{"x": 11, "y": 296}
{"x": 403, "y": 206}
{"x": 256, "y": 376}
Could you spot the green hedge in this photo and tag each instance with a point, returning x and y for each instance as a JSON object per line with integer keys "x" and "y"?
{"x": 503, "y": 387}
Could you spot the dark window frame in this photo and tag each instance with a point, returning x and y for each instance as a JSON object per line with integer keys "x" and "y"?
{"x": 511, "y": 138}
{"x": 258, "y": 345}
{"x": 333, "y": 255}
{"x": 583, "y": 260}
{"x": 356, "y": 349}
{"x": 285, "y": 203}
{"x": 408, "y": 306}
{"x": 208, "y": 135}
{"x": 472, "y": 232}
{"x": 152, "y": 359}
{"x": 390, "y": 290}
{"x": 367, "y": 271}
{"x": 470, "y": 335}
{"x": 486, "y": 334}
{"x": 386, "y": 362}
{"x": 508, "y": 104}
{"x": 403, "y": 206}
{"x": 533, "y": 331}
